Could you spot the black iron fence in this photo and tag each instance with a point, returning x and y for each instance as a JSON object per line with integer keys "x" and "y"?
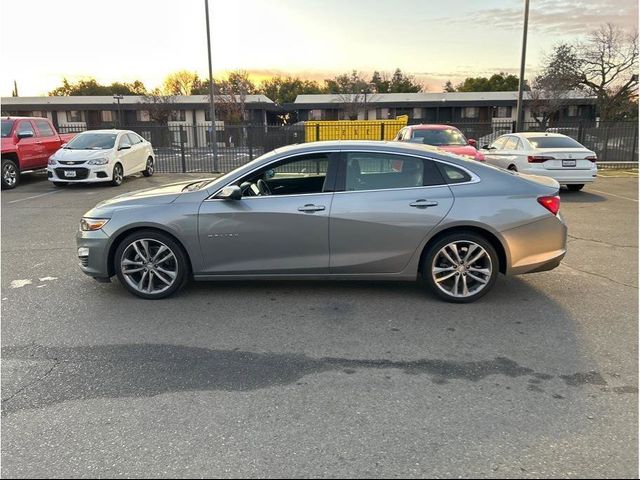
{"x": 187, "y": 148}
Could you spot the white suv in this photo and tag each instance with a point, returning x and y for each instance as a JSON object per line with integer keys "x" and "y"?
{"x": 101, "y": 156}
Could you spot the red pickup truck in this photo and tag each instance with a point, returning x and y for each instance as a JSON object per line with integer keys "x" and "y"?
{"x": 27, "y": 144}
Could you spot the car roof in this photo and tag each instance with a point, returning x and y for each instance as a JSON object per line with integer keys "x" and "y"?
{"x": 110, "y": 130}
{"x": 537, "y": 134}
{"x": 432, "y": 126}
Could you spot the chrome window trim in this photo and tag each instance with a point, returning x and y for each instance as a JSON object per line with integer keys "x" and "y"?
{"x": 474, "y": 178}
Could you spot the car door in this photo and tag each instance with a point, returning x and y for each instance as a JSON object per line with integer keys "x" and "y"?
{"x": 126, "y": 154}
{"x": 493, "y": 155}
{"x": 384, "y": 206}
{"x": 30, "y": 149}
{"x": 49, "y": 141}
{"x": 508, "y": 155}
{"x": 286, "y": 232}
{"x": 139, "y": 153}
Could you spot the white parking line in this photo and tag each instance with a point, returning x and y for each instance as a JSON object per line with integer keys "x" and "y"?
{"x": 613, "y": 195}
{"x": 34, "y": 196}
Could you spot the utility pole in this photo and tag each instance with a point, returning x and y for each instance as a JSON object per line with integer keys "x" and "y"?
{"x": 119, "y": 97}
{"x": 520, "y": 107}
{"x": 214, "y": 140}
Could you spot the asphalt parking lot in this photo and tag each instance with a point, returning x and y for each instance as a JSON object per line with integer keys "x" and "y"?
{"x": 303, "y": 379}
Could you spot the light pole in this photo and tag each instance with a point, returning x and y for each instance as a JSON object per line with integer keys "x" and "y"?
{"x": 212, "y": 107}
{"x": 118, "y": 97}
{"x": 520, "y": 106}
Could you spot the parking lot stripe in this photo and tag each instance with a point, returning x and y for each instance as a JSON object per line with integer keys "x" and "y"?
{"x": 613, "y": 195}
{"x": 34, "y": 196}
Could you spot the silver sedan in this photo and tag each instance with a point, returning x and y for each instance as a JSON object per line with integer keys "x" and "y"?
{"x": 332, "y": 210}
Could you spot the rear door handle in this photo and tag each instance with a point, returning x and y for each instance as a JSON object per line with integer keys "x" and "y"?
{"x": 422, "y": 203}
{"x": 311, "y": 208}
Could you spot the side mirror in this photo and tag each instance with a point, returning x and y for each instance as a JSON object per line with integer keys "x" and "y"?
{"x": 124, "y": 146}
{"x": 485, "y": 147}
{"x": 26, "y": 134}
{"x": 472, "y": 142}
{"x": 230, "y": 192}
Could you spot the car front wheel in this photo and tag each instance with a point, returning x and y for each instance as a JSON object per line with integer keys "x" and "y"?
{"x": 10, "y": 174}
{"x": 151, "y": 265}
{"x": 117, "y": 176}
{"x": 461, "y": 267}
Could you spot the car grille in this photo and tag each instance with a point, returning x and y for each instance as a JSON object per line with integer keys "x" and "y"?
{"x": 81, "y": 173}
{"x": 71, "y": 162}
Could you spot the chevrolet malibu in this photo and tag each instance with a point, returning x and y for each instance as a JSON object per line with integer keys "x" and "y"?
{"x": 101, "y": 156}
{"x": 336, "y": 210}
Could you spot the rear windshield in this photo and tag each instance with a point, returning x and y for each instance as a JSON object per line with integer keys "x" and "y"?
{"x": 93, "y": 141}
{"x": 553, "y": 142}
{"x": 6, "y": 127}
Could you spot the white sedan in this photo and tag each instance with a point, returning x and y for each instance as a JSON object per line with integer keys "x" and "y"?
{"x": 547, "y": 154}
{"x": 101, "y": 156}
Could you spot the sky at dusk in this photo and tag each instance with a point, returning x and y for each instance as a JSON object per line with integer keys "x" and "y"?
{"x": 119, "y": 40}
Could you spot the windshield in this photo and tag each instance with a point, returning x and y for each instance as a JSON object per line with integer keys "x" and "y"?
{"x": 93, "y": 141}
{"x": 440, "y": 137}
{"x": 553, "y": 142}
{"x": 7, "y": 125}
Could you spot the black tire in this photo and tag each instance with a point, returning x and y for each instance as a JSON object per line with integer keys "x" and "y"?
{"x": 183, "y": 270}
{"x": 429, "y": 263}
{"x": 118, "y": 175}
{"x": 147, "y": 172}
{"x": 10, "y": 177}
{"x": 575, "y": 187}
{"x": 60, "y": 184}
{"x": 512, "y": 168}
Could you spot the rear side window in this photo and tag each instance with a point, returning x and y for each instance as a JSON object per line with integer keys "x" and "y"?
{"x": 379, "y": 171}
{"x": 453, "y": 174}
{"x": 44, "y": 128}
{"x": 553, "y": 142}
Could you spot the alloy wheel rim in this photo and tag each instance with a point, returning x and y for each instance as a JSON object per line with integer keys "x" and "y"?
{"x": 150, "y": 166}
{"x": 117, "y": 174}
{"x": 149, "y": 266}
{"x": 9, "y": 175}
{"x": 461, "y": 269}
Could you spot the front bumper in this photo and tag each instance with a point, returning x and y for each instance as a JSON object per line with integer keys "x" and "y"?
{"x": 96, "y": 247}
{"x": 84, "y": 173}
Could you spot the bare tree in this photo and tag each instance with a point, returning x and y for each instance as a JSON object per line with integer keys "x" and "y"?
{"x": 160, "y": 107}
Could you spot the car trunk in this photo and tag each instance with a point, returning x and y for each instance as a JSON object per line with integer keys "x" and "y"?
{"x": 566, "y": 158}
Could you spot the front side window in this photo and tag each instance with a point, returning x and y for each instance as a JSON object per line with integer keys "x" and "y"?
{"x": 376, "y": 171}
{"x": 44, "y": 128}
{"x": 24, "y": 127}
{"x": 305, "y": 174}
{"x": 499, "y": 143}
{"x": 133, "y": 138}
{"x": 511, "y": 143}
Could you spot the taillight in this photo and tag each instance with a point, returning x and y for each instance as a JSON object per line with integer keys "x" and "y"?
{"x": 539, "y": 158}
{"x": 592, "y": 158}
{"x": 550, "y": 203}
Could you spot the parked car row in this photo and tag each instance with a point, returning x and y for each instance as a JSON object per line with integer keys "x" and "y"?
{"x": 30, "y": 144}
{"x": 535, "y": 153}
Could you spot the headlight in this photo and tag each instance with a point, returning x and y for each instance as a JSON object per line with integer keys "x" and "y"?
{"x": 98, "y": 161}
{"x": 52, "y": 161}
{"x": 92, "y": 224}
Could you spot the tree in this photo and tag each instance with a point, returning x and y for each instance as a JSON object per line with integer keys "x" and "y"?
{"x": 448, "y": 87}
{"x": 159, "y": 105}
{"x": 498, "y": 82}
{"x": 182, "y": 82}
{"x": 90, "y": 86}
{"x": 285, "y": 89}
{"x": 380, "y": 82}
{"x": 231, "y": 95}
{"x": 402, "y": 83}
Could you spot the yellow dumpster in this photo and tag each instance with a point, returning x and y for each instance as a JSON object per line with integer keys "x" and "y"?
{"x": 354, "y": 129}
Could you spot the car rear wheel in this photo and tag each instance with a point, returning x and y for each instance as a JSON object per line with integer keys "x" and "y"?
{"x": 576, "y": 187}
{"x": 10, "y": 174}
{"x": 118, "y": 175}
{"x": 151, "y": 265}
{"x": 461, "y": 267}
{"x": 147, "y": 172}
{"x": 513, "y": 168}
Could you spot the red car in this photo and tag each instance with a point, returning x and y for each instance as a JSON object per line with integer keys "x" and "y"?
{"x": 27, "y": 144}
{"x": 445, "y": 137}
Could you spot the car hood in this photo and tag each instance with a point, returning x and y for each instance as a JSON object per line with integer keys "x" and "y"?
{"x": 66, "y": 154}
{"x": 149, "y": 196}
{"x": 7, "y": 144}
{"x": 459, "y": 149}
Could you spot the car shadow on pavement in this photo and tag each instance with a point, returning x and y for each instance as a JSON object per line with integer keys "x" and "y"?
{"x": 581, "y": 197}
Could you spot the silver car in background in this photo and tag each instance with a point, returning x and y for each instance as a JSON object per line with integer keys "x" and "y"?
{"x": 354, "y": 210}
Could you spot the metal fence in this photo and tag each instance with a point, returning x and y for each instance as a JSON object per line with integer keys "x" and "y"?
{"x": 187, "y": 148}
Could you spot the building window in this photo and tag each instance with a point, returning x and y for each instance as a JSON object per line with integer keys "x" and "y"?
{"x": 470, "y": 112}
{"x": 143, "y": 116}
{"x": 502, "y": 112}
{"x": 74, "y": 116}
{"x": 572, "y": 111}
{"x": 178, "y": 116}
{"x": 107, "y": 116}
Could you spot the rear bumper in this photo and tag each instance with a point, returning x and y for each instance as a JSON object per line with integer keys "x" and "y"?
{"x": 537, "y": 246}
{"x": 565, "y": 176}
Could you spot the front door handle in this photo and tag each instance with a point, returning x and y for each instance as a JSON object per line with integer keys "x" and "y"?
{"x": 422, "y": 203}
{"x": 311, "y": 208}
